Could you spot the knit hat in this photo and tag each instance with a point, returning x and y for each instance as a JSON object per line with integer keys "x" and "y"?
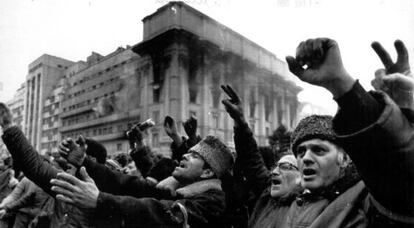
{"x": 96, "y": 150}
{"x": 311, "y": 127}
{"x": 217, "y": 155}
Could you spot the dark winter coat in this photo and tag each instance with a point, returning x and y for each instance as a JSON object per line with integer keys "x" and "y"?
{"x": 41, "y": 172}
{"x": 139, "y": 204}
{"x": 381, "y": 144}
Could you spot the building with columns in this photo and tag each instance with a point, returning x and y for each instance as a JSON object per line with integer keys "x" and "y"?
{"x": 190, "y": 55}
{"x": 176, "y": 70}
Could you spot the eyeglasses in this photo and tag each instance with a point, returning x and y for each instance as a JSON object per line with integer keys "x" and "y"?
{"x": 285, "y": 166}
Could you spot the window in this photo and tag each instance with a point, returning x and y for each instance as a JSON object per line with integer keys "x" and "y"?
{"x": 156, "y": 93}
{"x": 268, "y": 107}
{"x": 216, "y": 121}
{"x": 155, "y": 140}
{"x": 120, "y": 128}
{"x": 193, "y": 95}
{"x": 119, "y": 146}
{"x": 156, "y": 116}
{"x": 252, "y": 104}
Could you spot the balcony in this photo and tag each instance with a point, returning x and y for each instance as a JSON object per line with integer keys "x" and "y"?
{"x": 113, "y": 136}
{"x": 101, "y": 121}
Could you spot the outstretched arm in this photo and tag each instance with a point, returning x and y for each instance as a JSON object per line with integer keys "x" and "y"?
{"x": 31, "y": 163}
{"x": 248, "y": 156}
{"x": 203, "y": 209}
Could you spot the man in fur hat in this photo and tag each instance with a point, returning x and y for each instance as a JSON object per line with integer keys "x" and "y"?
{"x": 196, "y": 198}
{"x": 371, "y": 129}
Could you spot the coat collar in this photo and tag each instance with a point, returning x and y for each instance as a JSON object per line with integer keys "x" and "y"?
{"x": 199, "y": 187}
{"x": 349, "y": 179}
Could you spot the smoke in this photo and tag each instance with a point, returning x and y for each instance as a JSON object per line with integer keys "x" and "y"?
{"x": 105, "y": 106}
{"x": 125, "y": 98}
{"x": 128, "y": 97}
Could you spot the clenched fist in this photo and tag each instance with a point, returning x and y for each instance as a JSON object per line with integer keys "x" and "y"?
{"x": 318, "y": 62}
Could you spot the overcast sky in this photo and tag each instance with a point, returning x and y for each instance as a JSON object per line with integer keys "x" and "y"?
{"x": 72, "y": 29}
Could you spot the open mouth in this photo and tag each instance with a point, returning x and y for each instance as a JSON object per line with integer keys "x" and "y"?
{"x": 276, "y": 181}
{"x": 308, "y": 172}
{"x": 182, "y": 165}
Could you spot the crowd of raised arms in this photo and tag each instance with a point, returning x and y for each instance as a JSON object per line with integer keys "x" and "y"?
{"x": 354, "y": 169}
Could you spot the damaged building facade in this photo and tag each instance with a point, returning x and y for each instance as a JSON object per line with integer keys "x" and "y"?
{"x": 176, "y": 70}
{"x": 190, "y": 55}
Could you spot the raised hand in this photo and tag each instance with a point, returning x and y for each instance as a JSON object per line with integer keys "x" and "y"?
{"x": 81, "y": 193}
{"x": 396, "y": 79}
{"x": 73, "y": 152}
{"x": 135, "y": 136}
{"x": 398, "y": 86}
{"x": 190, "y": 127}
{"x": 170, "y": 128}
{"x": 402, "y": 64}
{"x": 318, "y": 62}
{"x": 5, "y": 116}
{"x": 233, "y": 105}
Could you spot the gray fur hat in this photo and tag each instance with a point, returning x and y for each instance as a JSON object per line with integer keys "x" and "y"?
{"x": 216, "y": 154}
{"x": 311, "y": 127}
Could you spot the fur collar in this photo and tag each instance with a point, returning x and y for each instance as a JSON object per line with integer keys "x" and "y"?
{"x": 199, "y": 187}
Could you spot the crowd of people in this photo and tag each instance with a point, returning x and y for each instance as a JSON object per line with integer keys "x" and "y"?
{"x": 354, "y": 169}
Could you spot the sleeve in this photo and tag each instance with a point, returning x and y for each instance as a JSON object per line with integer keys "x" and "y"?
{"x": 356, "y": 102}
{"x": 31, "y": 163}
{"x": 150, "y": 212}
{"x": 382, "y": 149}
{"x": 143, "y": 159}
{"x": 250, "y": 160}
{"x": 115, "y": 182}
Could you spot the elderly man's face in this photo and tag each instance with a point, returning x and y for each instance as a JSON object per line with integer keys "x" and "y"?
{"x": 285, "y": 177}
{"x": 320, "y": 162}
{"x": 190, "y": 169}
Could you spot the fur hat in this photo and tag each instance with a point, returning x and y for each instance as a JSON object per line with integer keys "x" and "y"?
{"x": 96, "y": 150}
{"x": 311, "y": 127}
{"x": 217, "y": 155}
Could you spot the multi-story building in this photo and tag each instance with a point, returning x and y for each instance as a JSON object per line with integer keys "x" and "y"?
{"x": 16, "y": 106}
{"x": 50, "y": 118}
{"x": 176, "y": 70}
{"x": 44, "y": 73}
{"x": 99, "y": 101}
